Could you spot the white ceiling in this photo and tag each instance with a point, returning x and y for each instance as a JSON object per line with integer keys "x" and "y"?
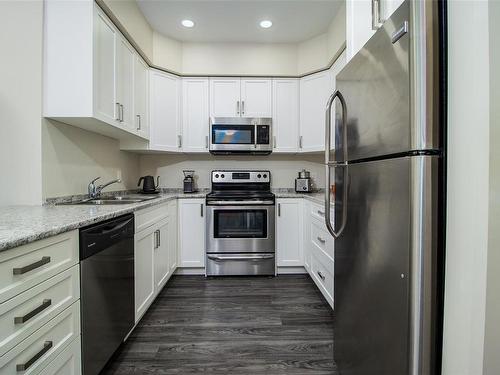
{"x": 238, "y": 20}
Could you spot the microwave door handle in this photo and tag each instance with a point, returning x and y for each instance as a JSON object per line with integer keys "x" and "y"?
{"x": 255, "y": 136}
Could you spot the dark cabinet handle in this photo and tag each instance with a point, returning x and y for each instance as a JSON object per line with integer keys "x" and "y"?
{"x": 31, "y": 267}
{"x": 201, "y": 210}
{"x": 24, "y": 366}
{"x": 23, "y": 319}
{"x": 321, "y": 275}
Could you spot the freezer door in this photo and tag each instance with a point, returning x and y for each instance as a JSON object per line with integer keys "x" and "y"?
{"x": 385, "y": 267}
{"x": 376, "y": 87}
{"x": 372, "y": 259}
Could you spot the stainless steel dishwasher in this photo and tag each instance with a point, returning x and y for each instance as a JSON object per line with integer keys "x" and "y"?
{"x": 107, "y": 289}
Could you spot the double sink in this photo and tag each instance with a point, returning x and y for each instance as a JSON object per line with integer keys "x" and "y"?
{"x": 113, "y": 200}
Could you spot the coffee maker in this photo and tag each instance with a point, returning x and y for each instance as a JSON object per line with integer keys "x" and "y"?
{"x": 189, "y": 185}
{"x": 303, "y": 183}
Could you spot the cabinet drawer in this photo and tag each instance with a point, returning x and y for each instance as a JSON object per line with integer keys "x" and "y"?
{"x": 39, "y": 349}
{"x": 150, "y": 216}
{"x": 26, "y": 266}
{"x": 321, "y": 239}
{"x": 322, "y": 274}
{"x": 318, "y": 212}
{"x": 66, "y": 363}
{"x": 25, "y": 313}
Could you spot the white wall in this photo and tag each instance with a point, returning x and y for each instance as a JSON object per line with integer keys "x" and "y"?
{"x": 492, "y": 327}
{"x": 128, "y": 14}
{"x": 239, "y": 58}
{"x": 72, "y": 157}
{"x": 468, "y": 188}
{"x": 284, "y": 168}
{"x": 21, "y": 102}
{"x": 167, "y": 53}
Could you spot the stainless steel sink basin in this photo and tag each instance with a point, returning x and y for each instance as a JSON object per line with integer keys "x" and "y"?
{"x": 116, "y": 200}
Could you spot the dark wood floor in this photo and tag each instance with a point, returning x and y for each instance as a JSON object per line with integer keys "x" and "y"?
{"x": 232, "y": 325}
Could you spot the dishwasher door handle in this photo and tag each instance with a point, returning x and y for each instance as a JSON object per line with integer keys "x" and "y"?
{"x": 253, "y": 257}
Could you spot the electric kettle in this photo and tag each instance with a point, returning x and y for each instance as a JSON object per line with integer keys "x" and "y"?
{"x": 148, "y": 185}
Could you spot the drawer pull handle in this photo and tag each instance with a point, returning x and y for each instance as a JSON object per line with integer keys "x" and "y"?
{"x": 23, "y": 319}
{"x": 24, "y": 366}
{"x": 321, "y": 213}
{"x": 31, "y": 267}
{"x": 321, "y": 276}
{"x": 322, "y": 240}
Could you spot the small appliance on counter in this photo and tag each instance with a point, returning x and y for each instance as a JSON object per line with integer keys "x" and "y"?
{"x": 189, "y": 184}
{"x": 148, "y": 184}
{"x": 303, "y": 183}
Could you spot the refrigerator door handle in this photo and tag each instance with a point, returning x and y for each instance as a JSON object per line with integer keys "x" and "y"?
{"x": 328, "y": 162}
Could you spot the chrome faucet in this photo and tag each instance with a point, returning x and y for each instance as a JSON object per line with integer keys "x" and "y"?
{"x": 95, "y": 191}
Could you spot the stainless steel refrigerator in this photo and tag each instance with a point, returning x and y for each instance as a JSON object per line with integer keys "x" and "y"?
{"x": 386, "y": 166}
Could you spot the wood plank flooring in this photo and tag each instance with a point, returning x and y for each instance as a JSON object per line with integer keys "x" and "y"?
{"x": 236, "y": 325}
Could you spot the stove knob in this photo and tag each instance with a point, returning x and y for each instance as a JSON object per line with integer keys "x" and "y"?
{"x": 259, "y": 176}
{"x": 222, "y": 175}
{"x": 217, "y": 176}
{"x": 265, "y": 175}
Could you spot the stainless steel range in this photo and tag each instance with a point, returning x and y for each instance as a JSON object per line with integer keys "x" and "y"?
{"x": 240, "y": 224}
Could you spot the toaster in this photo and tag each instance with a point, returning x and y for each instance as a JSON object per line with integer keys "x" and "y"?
{"x": 303, "y": 185}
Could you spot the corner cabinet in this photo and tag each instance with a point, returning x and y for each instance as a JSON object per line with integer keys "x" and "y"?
{"x": 315, "y": 90}
{"x": 89, "y": 78}
{"x": 191, "y": 233}
{"x": 285, "y": 115}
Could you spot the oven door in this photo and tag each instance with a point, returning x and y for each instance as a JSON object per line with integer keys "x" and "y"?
{"x": 240, "y": 229}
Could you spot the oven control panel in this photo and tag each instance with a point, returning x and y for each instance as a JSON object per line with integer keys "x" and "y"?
{"x": 239, "y": 177}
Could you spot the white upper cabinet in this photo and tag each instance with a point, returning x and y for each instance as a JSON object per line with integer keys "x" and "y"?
{"x": 363, "y": 18}
{"x": 165, "y": 132}
{"x": 125, "y": 83}
{"x": 195, "y": 114}
{"x": 88, "y": 70}
{"x": 315, "y": 90}
{"x": 105, "y": 54}
{"x": 245, "y": 97}
{"x": 256, "y": 98}
{"x": 225, "y": 97}
{"x": 285, "y": 115}
{"x": 141, "y": 96}
{"x": 289, "y": 232}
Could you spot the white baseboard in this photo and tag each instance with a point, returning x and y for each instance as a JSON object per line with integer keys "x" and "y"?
{"x": 291, "y": 270}
{"x": 190, "y": 271}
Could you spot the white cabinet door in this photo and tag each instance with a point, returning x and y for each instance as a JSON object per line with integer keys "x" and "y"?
{"x": 125, "y": 82}
{"x": 289, "y": 232}
{"x": 105, "y": 36}
{"x": 314, "y": 92}
{"x": 225, "y": 97}
{"x": 164, "y": 100}
{"x": 161, "y": 248}
{"x": 191, "y": 233}
{"x": 285, "y": 115}
{"x": 144, "y": 271}
{"x": 172, "y": 241}
{"x": 256, "y": 98}
{"x": 141, "y": 97}
{"x": 195, "y": 114}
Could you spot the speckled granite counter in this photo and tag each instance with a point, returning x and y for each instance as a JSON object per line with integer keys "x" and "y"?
{"x": 20, "y": 225}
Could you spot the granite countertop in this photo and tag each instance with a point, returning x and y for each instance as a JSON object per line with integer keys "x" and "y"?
{"x": 20, "y": 225}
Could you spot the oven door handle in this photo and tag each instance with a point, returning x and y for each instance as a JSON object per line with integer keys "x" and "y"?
{"x": 239, "y": 203}
{"x": 253, "y": 257}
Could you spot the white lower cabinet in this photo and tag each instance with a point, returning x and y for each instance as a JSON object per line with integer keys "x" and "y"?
{"x": 68, "y": 362}
{"x": 43, "y": 346}
{"x": 155, "y": 253}
{"x": 289, "y": 229}
{"x": 144, "y": 270}
{"x": 192, "y": 232}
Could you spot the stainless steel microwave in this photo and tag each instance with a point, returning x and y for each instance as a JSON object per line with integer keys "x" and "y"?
{"x": 240, "y": 135}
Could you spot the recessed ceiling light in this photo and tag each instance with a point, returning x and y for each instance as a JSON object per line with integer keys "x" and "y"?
{"x": 187, "y": 23}
{"x": 266, "y": 24}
